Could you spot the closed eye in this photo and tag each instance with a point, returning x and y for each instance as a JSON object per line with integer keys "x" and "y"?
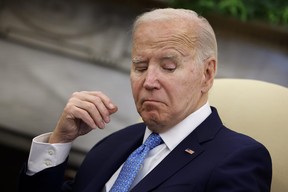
{"x": 140, "y": 69}
{"x": 172, "y": 69}
{"x": 140, "y": 66}
{"x": 169, "y": 66}
{"x": 169, "y": 63}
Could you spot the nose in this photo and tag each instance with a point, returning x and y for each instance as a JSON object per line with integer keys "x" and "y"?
{"x": 151, "y": 80}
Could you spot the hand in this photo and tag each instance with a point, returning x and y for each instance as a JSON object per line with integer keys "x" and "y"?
{"x": 83, "y": 112}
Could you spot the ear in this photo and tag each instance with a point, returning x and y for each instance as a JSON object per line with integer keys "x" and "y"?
{"x": 209, "y": 72}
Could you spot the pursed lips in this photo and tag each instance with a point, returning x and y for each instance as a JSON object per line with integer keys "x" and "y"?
{"x": 151, "y": 101}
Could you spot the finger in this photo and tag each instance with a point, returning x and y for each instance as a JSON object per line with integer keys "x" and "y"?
{"x": 103, "y": 103}
{"x": 74, "y": 112}
{"x": 97, "y": 112}
{"x": 112, "y": 108}
{"x": 93, "y": 105}
{"x": 101, "y": 108}
{"x": 92, "y": 121}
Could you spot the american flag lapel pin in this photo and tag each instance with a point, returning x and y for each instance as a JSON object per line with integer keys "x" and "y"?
{"x": 190, "y": 151}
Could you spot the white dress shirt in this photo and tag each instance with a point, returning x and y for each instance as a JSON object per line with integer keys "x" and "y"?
{"x": 43, "y": 155}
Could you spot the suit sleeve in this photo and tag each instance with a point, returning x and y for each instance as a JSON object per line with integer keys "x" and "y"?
{"x": 246, "y": 169}
{"x": 48, "y": 180}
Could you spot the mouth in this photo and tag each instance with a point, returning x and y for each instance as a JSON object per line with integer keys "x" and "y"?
{"x": 151, "y": 102}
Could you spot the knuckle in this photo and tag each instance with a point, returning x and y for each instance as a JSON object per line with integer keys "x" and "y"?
{"x": 97, "y": 99}
{"x": 75, "y": 94}
{"x": 68, "y": 107}
{"x": 90, "y": 106}
{"x": 99, "y": 92}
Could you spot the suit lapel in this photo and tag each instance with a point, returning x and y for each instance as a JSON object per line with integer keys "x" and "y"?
{"x": 176, "y": 160}
{"x": 108, "y": 168}
{"x": 182, "y": 155}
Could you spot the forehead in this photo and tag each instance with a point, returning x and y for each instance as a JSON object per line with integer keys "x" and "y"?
{"x": 177, "y": 34}
{"x": 164, "y": 28}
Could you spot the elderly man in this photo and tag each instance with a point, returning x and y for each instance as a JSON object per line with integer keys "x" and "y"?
{"x": 185, "y": 147}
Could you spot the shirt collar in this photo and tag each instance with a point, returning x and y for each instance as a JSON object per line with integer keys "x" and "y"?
{"x": 176, "y": 134}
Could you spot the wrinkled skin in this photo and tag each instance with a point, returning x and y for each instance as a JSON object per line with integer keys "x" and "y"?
{"x": 166, "y": 82}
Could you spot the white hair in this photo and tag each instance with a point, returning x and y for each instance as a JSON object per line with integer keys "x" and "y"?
{"x": 205, "y": 45}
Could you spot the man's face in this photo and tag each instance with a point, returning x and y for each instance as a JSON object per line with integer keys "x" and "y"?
{"x": 166, "y": 82}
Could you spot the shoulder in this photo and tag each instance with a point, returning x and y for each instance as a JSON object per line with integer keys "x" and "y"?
{"x": 233, "y": 136}
{"x": 233, "y": 142}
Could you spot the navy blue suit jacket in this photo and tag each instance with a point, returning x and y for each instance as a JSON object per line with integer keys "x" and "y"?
{"x": 223, "y": 161}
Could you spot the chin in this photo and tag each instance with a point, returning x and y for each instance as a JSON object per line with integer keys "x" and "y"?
{"x": 150, "y": 120}
{"x": 154, "y": 124}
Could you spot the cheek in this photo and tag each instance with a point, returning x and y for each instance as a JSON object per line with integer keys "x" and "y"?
{"x": 134, "y": 90}
{"x": 177, "y": 92}
{"x": 188, "y": 90}
{"x": 135, "y": 87}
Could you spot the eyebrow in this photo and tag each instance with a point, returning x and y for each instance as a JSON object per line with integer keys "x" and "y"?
{"x": 137, "y": 60}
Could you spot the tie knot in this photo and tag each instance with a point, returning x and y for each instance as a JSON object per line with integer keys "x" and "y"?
{"x": 153, "y": 140}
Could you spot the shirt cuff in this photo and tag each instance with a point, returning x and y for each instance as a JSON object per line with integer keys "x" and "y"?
{"x": 44, "y": 155}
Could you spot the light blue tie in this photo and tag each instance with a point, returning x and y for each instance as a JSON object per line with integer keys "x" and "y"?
{"x": 133, "y": 164}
